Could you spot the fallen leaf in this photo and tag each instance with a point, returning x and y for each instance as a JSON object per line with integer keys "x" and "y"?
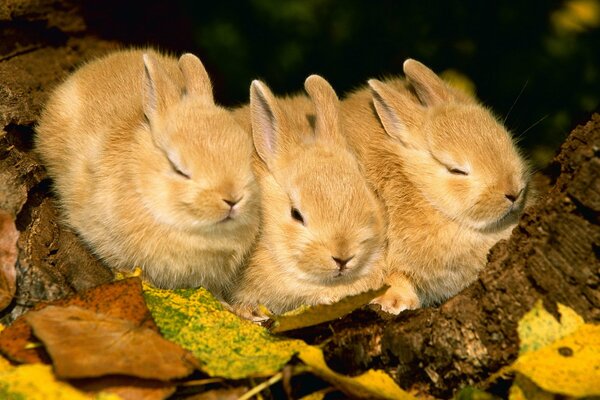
{"x": 85, "y": 344}
{"x": 8, "y": 259}
{"x": 234, "y": 348}
{"x": 226, "y": 345}
{"x": 220, "y": 394}
{"x": 370, "y": 385}
{"x": 471, "y": 393}
{"x": 556, "y": 357}
{"x": 36, "y": 382}
{"x": 569, "y": 366}
{"x": 539, "y": 328}
{"x": 318, "y": 395}
{"x": 310, "y": 316}
{"x": 524, "y": 389}
{"x": 122, "y": 299}
{"x": 126, "y": 387}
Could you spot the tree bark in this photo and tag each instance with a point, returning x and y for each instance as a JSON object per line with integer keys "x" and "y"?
{"x": 43, "y": 40}
{"x": 552, "y": 255}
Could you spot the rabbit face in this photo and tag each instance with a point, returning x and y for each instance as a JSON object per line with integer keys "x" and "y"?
{"x": 207, "y": 170}
{"x": 329, "y": 227}
{"x": 454, "y": 151}
{"x": 203, "y": 181}
{"x": 321, "y": 220}
{"x": 470, "y": 169}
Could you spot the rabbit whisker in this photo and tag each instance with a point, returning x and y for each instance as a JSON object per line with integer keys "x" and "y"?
{"x": 535, "y": 124}
{"x": 515, "y": 102}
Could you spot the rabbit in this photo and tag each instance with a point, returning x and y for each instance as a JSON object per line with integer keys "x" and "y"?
{"x": 150, "y": 171}
{"x": 323, "y": 229}
{"x": 449, "y": 174}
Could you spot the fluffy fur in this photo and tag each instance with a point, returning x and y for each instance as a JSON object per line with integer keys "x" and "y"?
{"x": 149, "y": 171}
{"x": 452, "y": 181}
{"x": 316, "y": 205}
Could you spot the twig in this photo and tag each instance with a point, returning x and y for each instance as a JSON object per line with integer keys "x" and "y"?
{"x": 259, "y": 388}
{"x": 201, "y": 382}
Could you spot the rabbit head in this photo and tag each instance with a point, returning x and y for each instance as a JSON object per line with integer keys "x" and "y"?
{"x": 321, "y": 221}
{"x": 454, "y": 151}
{"x": 200, "y": 178}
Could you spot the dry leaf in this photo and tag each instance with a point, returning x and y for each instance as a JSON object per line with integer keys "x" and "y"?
{"x": 539, "y": 328}
{"x": 370, "y": 385}
{"x": 569, "y": 366}
{"x": 310, "y": 316}
{"x": 227, "y": 346}
{"x": 8, "y": 259}
{"x": 556, "y": 357}
{"x": 219, "y": 394}
{"x": 36, "y": 382}
{"x": 122, "y": 299}
{"x": 85, "y": 344}
{"x": 126, "y": 387}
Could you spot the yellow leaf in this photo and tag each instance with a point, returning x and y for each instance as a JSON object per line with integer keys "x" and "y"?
{"x": 4, "y": 364}
{"x": 231, "y": 347}
{"x": 524, "y": 389}
{"x": 539, "y": 328}
{"x": 370, "y": 385}
{"x": 309, "y": 316}
{"x": 36, "y": 382}
{"x": 569, "y": 366}
{"x": 318, "y": 395}
{"x": 471, "y": 393}
{"x": 225, "y": 344}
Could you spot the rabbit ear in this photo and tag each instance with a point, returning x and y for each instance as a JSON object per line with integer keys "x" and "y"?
{"x": 327, "y": 107}
{"x": 267, "y": 122}
{"x": 399, "y": 114}
{"x": 159, "y": 92}
{"x": 196, "y": 78}
{"x": 430, "y": 88}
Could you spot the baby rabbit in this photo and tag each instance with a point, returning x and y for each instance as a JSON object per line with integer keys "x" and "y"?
{"x": 150, "y": 171}
{"x": 450, "y": 177}
{"x": 323, "y": 229}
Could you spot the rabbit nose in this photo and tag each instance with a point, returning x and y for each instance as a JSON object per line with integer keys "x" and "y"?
{"x": 512, "y": 197}
{"x": 232, "y": 203}
{"x": 342, "y": 263}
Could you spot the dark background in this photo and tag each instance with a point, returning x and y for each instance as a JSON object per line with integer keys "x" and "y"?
{"x": 549, "y": 50}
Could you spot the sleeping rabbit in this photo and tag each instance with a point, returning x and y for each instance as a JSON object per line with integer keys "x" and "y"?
{"x": 150, "y": 171}
{"x": 451, "y": 179}
{"x": 323, "y": 229}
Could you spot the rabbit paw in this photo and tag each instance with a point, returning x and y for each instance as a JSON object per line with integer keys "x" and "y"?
{"x": 253, "y": 314}
{"x": 397, "y": 299}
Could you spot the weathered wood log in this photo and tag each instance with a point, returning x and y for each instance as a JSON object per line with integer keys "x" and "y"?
{"x": 552, "y": 255}
{"x": 43, "y": 40}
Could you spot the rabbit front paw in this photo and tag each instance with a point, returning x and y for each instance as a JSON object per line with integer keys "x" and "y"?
{"x": 253, "y": 314}
{"x": 397, "y": 299}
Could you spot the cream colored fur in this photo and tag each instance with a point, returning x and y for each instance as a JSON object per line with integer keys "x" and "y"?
{"x": 450, "y": 177}
{"x": 143, "y": 162}
{"x": 303, "y": 162}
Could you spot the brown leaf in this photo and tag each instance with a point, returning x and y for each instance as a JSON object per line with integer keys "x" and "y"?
{"x": 220, "y": 394}
{"x": 85, "y": 344}
{"x": 126, "y": 387}
{"x": 8, "y": 258}
{"x": 121, "y": 299}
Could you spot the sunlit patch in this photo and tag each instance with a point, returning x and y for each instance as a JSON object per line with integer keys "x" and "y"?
{"x": 459, "y": 81}
{"x": 576, "y": 16}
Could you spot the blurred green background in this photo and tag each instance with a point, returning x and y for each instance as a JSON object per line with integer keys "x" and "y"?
{"x": 545, "y": 53}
